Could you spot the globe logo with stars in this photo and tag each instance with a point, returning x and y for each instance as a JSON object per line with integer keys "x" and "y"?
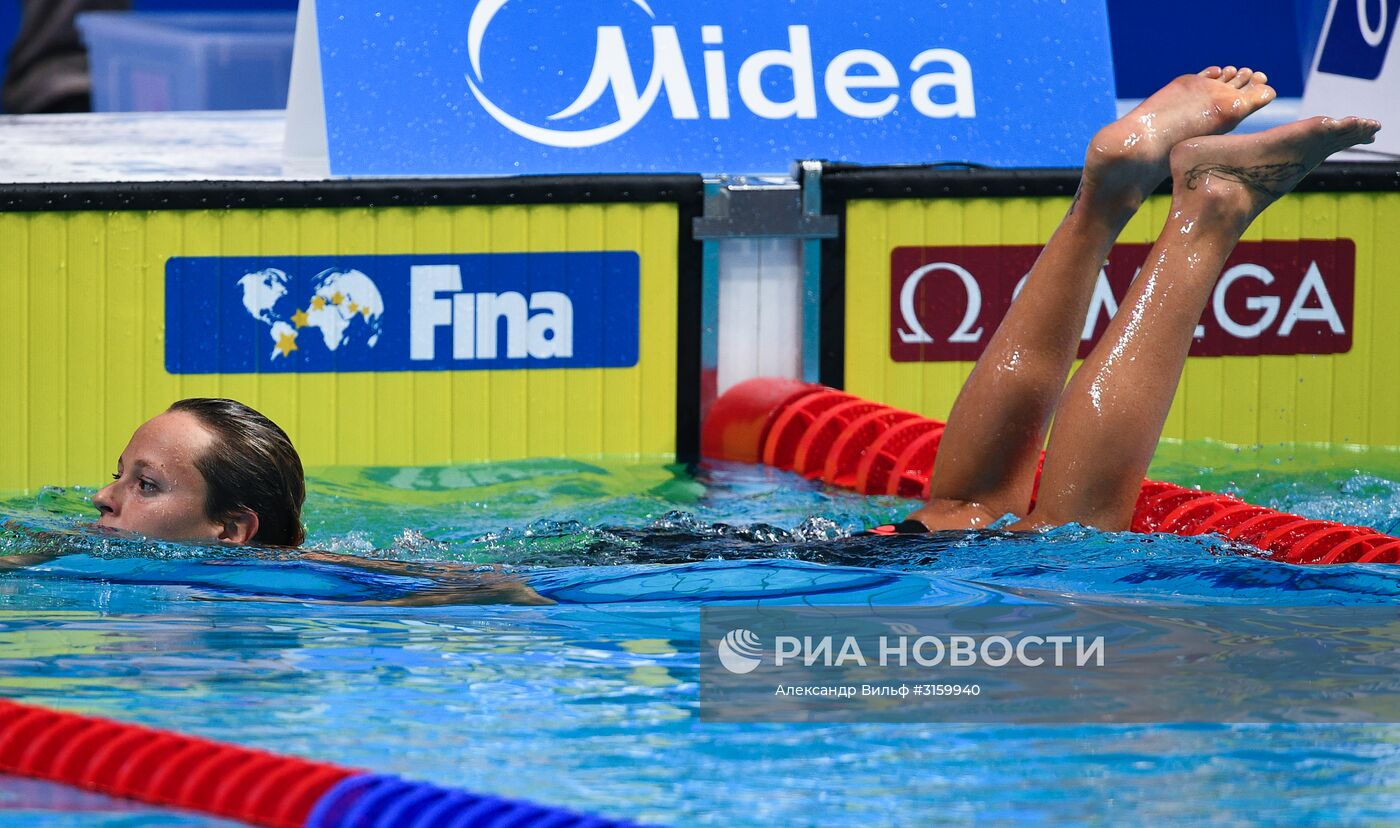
{"x": 344, "y": 307}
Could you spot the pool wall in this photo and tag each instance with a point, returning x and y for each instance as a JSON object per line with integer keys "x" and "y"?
{"x": 1329, "y": 378}
{"x": 1305, "y": 354}
{"x": 86, "y": 353}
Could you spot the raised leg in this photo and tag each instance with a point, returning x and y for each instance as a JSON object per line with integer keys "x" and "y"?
{"x": 987, "y": 458}
{"x": 1111, "y": 415}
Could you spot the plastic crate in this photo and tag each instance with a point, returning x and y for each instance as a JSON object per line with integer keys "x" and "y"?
{"x": 178, "y": 61}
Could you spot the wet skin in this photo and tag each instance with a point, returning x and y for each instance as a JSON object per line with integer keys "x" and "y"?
{"x": 160, "y": 493}
{"x": 1109, "y": 418}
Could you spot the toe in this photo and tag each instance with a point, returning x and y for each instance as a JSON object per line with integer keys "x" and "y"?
{"x": 1352, "y": 127}
{"x": 1241, "y": 77}
{"x": 1259, "y": 78}
{"x": 1210, "y": 72}
{"x": 1227, "y": 73}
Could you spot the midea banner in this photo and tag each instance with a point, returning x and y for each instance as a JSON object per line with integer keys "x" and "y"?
{"x": 442, "y": 87}
{"x": 1355, "y": 70}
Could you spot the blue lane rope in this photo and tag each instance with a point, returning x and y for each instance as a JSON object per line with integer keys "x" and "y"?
{"x": 385, "y": 801}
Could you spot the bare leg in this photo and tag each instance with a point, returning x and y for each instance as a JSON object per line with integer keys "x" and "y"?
{"x": 1111, "y": 415}
{"x": 987, "y": 458}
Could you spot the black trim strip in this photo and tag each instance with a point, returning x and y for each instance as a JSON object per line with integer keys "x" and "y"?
{"x": 689, "y": 300}
{"x": 831, "y": 324}
{"x": 847, "y": 181}
{"x": 377, "y": 192}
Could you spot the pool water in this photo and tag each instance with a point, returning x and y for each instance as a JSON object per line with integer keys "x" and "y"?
{"x": 591, "y": 702}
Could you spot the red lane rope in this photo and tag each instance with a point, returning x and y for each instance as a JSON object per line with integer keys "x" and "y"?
{"x": 162, "y": 768}
{"x": 877, "y": 449}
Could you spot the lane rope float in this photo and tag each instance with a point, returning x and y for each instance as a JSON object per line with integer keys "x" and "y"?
{"x": 830, "y": 435}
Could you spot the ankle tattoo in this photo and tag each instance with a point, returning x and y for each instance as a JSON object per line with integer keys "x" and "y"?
{"x": 1078, "y": 191}
{"x": 1268, "y": 179}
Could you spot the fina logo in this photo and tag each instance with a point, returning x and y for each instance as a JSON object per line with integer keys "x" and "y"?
{"x": 612, "y": 71}
{"x": 740, "y": 651}
{"x": 540, "y": 326}
{"x": 344, "y": 307}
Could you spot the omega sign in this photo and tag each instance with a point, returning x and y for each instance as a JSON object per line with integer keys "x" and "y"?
{"x": 1273, "y": 297}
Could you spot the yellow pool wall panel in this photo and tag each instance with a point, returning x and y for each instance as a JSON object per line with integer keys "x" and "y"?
{"x": 1352, "y": 397}
{"x": 83, "y": 356}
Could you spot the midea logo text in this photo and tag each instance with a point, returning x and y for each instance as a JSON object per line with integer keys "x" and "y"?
{"x": 854, "y": 69}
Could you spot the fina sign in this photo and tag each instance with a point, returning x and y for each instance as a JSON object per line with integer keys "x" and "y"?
{"x": 1273, "y": 297}
{"x": 318, "y": 314}
{"x": 523, "y": 86}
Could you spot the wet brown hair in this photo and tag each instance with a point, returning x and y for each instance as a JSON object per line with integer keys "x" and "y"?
{"x": 251, "y": 465}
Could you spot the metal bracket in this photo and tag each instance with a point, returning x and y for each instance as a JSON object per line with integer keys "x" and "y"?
{"x": 736, "y": 208}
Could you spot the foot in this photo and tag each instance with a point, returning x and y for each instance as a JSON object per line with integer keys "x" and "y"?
{"x": 1128, "y": 158}
{"x": 945, "y": 514}
{"x": 1234, "y": 177}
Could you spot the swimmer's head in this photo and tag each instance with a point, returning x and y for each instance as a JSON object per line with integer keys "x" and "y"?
{"x": 208, "y": 470}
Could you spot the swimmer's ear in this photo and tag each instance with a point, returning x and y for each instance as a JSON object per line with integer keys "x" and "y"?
{"x": 239, "y": 527}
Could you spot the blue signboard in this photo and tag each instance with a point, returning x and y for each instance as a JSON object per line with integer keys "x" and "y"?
{"x": 315, "y": 314}
{"x": 1358, "y": 37}
{"x": 544, "y": 86}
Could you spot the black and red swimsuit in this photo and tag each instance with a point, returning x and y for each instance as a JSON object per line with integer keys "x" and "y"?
{"x": 904, "y": 527}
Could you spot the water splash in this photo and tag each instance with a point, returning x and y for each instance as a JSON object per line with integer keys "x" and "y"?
{"x": 402, "y": 532}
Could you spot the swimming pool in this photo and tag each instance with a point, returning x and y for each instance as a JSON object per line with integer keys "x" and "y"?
{"x": 592, "y": 703}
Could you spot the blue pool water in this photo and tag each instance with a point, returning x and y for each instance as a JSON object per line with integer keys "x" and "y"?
{"x": 591, "y": 702}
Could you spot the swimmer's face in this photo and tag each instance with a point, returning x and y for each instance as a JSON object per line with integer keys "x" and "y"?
{"x": 157, "y": 490}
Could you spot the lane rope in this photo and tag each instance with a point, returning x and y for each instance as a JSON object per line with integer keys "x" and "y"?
{"x": 830, "y": 435}
{"x": 169, "y": 769}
